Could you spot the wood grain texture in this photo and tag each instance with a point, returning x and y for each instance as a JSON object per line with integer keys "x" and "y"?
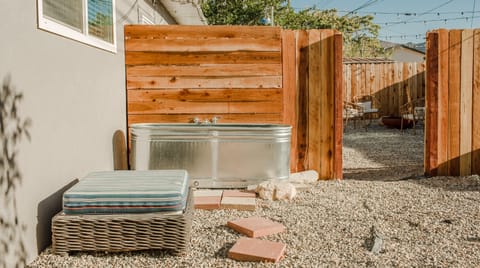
{"x": 290, "y": 92}
{"x": 242, "y": 75}
{"x": 207, "y": 95}
{"x": 161, "y": 82}
{"x": 182, "y": 58}
{"x": 386, "y": 81}
{"x": 431, "y": 120}
{"x": 176, "y": 106}
{"x": 200, "y": 32}
{"x": 476, "y": 105}
{"x": 315, "y": 99}
{"x": 273, "y": 118}
{"x": 338, "y": 108}
{"x": 442, "y": 93}
{"x": 201, "y": 45}
{"x": 302, "y": 57}
{"x": 218, "y": 70}
{"x": 327, "y": 157}
{"x": 466, "y": 79}
{"x": 455, "y": 42}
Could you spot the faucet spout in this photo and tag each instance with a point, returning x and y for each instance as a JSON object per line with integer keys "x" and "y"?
{"x": 214, "y": 120}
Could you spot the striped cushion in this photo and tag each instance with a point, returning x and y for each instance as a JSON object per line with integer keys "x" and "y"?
{"x": 128, "y": 191}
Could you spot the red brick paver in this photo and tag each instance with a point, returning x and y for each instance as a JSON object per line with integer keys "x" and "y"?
{"x": 256, "y": 226}
{"x": 251, "y": 249}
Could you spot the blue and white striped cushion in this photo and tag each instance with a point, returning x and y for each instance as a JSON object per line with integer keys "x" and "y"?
{"x": 128, "y": 191}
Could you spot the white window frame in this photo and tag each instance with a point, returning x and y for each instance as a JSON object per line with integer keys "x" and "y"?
{"x": 50, "y": 25}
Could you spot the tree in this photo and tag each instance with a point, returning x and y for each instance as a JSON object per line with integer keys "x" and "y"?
{"x": 360, "y": 34}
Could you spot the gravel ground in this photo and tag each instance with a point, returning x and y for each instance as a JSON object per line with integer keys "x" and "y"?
{"x": 422, "y": 222}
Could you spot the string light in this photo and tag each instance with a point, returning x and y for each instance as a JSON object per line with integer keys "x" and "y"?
{"x": 425, "y": 21}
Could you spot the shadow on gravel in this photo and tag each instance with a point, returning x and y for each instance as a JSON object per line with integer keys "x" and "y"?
{"x": 223, "y": 251}
{"x": 454, "y": 184}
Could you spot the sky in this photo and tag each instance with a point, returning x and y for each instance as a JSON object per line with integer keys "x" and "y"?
{"x": 404, "y": 21}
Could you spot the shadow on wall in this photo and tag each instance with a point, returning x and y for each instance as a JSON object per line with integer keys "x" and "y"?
{"x": 48, "y": 208}
{"x": 13, "y": 129}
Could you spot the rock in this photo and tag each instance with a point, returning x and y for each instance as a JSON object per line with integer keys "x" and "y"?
{"x": 284, "y": 191}
{"x": 266, "y": 189}
{"x": 304, "y": 177}
{"x": 276, "y": 190}
{"x": 375, "y": 242}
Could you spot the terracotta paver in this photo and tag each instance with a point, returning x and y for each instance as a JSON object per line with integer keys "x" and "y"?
{"x": 207, "y": 202}
{"x": 238, "y": 193}
{"x": 256, "y": 226}
{"x": 199, "y": 193}
{"x": 240, "y": 203}
{"x": 251, "y": 249}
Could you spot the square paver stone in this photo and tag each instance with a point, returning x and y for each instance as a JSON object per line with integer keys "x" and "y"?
{"x": 239, "y": 193}
{"x": 207, "y": 202}
{"x": 251, "y": 249}
{"x": 256, "y": 226}
{"x": 202, "y": 193}
{"x": 240, "y": 203}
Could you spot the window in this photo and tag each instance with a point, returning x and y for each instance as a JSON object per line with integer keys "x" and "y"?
{"x": 88, "y": 21}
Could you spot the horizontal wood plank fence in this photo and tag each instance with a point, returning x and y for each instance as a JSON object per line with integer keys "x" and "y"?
{"x": 242, "y": 74}
{"x": 452, "y": 137}
{"x": 387, "y": 81}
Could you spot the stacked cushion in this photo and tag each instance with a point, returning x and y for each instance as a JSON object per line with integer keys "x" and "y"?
{"x": 128, "y": 191}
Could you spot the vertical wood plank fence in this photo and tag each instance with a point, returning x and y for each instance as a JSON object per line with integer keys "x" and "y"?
{"x": 452, "y": 137}
{"x": 387, "y": 81}
{"x": 242, "y": 75}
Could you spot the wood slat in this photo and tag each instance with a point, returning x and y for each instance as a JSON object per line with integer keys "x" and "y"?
{"x": 326, "y": 109}
{"x": 223, "y": 118}
{"x": 338, "y": 110}
{"x": 290, "y": 93}
{"x": 476, "y": 105}
{"x": 431, "y": 121}
{"x": 315, "y": 98}
{"x": 200, "y": 32}
{"x": 204, "y": 82}
{"x": 302, "y": 63}
{"x": 182, "y": 58}
{"x": 455, "y": 40}
{"x": 442, "y": 92}
{"x": 202, "y": 45}
{"x": 466, "y": 78}
{"x": 175, "y": 106}
{"x": 206, "y": 70}
{"x": 207, "y": 95}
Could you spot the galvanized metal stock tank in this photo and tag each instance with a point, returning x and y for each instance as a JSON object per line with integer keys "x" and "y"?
{"x": 215, "y": 155}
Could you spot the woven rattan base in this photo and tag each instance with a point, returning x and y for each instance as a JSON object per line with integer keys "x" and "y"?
{"x": 122, "y": 232}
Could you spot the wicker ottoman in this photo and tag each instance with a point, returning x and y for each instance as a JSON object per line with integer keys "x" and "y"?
{"x": 123, "y": 232}
{"x": 125, "y": 210}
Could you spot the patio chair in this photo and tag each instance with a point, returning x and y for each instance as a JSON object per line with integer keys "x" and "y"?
{"x": 368, "y": 104}
{"x": 352, "y": 112}
{"x": 413, "y": 110}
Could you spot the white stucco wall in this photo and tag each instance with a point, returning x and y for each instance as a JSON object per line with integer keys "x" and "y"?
{"x": 75, "y": 97}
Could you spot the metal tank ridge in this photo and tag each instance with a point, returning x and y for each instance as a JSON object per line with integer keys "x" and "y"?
{"x": 215, "y": 155}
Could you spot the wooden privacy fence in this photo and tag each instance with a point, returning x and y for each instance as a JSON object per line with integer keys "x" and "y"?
{"x": 452, "y": 137}
{"x": 389, "y": 82}
{"x": 242, "y": 75}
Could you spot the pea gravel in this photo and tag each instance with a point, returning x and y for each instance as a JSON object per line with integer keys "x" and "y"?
{"x": 424, "y": 222}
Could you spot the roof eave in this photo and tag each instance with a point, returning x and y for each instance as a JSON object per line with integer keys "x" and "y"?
{"x": 186, "y": 12}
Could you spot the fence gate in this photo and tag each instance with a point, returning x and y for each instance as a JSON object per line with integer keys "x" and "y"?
{"x": 452, "y": 137}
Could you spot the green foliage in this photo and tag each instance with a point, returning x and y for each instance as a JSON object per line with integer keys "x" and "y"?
{"x": 360, "y": 34}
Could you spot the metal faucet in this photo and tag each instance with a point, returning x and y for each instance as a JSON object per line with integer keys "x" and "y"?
{"x": 195, "y": 120}
{"x": 214, "y": 120}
